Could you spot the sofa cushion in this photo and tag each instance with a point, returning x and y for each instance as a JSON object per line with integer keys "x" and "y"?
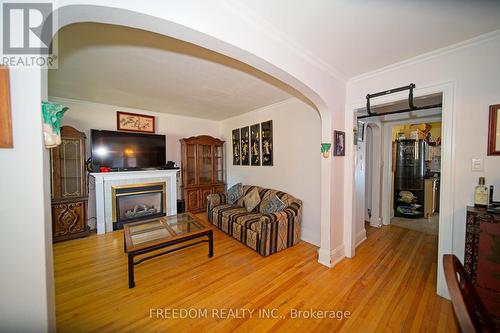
{"x": 252, "y": 199}
{"x": 226, "y": 216}
{"x": 234, "y": 193}
{"x": 273, "y": 205}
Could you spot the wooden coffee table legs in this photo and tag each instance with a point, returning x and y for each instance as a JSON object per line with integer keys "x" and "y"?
{"x": 131, "y": 255}
{"x": 210, "y": 244}
{"x": 131, "y": 282}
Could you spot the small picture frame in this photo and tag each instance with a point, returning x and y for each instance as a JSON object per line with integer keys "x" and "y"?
{"x": 133, "y": 122}
{"x": 236, "y": 147}
{"x": 6, "y": 140}
{"x": 255, "y": 144}
{"x": 338, "y": 143}
{"x": 266, "y": 137}
{"x": 245, "y": 146}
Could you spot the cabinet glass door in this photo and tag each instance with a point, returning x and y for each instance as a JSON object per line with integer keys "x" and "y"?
{"x": 219, "y": 160}
{"x": 206, "y": 165}
{"x": 71, "y": 168}
{"x": 191, "y": 164}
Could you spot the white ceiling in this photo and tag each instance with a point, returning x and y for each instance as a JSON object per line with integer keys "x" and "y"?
{"x": 138, "y": 69}
{"x": 358, "y": 36}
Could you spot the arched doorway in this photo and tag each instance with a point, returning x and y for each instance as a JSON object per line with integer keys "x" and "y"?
{"x": 138, "y": 19}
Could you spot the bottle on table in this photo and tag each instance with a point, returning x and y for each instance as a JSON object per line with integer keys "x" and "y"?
{"x": 481, "y": 194}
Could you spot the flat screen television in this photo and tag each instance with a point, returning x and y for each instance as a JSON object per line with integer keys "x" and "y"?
{"x": 122, "y": 151}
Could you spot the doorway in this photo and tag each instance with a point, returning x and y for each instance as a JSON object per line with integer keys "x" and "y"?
{"x": 444, "y": 92}
{"x": 415, "y": 176}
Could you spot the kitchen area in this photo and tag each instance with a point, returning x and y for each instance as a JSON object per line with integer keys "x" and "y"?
{"x": 416, "y": 166}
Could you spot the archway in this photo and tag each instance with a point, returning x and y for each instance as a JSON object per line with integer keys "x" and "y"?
{"x": 137, "y": 18}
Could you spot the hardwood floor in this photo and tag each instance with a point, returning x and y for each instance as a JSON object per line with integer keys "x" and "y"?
{"x": 388, "y": 286}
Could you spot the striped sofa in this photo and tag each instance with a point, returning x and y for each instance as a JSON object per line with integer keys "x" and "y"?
{"x": 265, "y": 233}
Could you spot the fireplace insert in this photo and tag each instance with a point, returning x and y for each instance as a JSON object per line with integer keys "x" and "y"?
{"x": 137, "y": 202}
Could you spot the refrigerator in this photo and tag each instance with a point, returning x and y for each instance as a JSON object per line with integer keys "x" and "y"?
{"x": 409, "y": 178}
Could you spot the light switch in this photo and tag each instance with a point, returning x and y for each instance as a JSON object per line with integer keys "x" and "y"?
{"x": 477, "y": 164}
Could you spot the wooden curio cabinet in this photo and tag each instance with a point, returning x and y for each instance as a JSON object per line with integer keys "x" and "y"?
{"x": 69, "y": 186}
{"x": 202, "y": 170}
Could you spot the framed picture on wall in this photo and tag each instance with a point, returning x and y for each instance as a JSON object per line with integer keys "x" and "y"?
{"x": 255, "y": 144}
{"x": 236, "y": 147}
{"x": 267, "y": 142}
{"x": 339, "y": 143}
{"x": 494, "y": 130}
{"x": 245, "y": 146}
{"x": 5, "y": 113}
{"x": 133, "y": 122}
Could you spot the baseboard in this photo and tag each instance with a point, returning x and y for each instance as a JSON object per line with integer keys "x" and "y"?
{"x": 331, "y": 258}
{"x": 359, "y": 238}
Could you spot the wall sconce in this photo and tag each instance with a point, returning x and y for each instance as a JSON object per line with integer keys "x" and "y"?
{"x": 52, "y": 115}
{"x": 325, "y": 149}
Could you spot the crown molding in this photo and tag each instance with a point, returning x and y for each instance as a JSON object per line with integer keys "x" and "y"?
{"x": 429, "y": 55}
{"x": 269, "y": 29}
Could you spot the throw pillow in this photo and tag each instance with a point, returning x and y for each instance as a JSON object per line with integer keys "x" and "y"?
{"x": 274, "y": 205}
{"x": 252, "y": 199}
{"x": 234, "y": 193}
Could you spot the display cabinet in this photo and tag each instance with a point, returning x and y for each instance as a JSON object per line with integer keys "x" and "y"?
{"x": 69, "y": 186}
{"x": 202, "y": 170}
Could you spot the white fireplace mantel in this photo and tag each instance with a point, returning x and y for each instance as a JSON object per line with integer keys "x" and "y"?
{"x": 100, "y": 195}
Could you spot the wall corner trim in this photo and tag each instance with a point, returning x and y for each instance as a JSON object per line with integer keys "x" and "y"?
{"x": 360, "y": 238}
{"x": 331, "y": 258}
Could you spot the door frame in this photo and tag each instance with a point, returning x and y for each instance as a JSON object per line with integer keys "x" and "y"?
{"x": 446, "y": 212}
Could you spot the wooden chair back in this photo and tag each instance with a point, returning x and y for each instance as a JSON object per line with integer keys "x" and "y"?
{"x": 470, "y": 312}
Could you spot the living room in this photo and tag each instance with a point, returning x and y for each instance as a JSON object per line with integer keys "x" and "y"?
{"x": 291, "y": 225}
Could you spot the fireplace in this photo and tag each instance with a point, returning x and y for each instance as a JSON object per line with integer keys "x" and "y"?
{"x": 137, "y": 202}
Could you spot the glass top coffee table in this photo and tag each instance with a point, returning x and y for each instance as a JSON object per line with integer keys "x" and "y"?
{"x": 151, "y": 235}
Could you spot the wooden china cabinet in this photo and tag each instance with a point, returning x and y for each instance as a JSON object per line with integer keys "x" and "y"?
{"x": 69, "y": 186}
{"x": 202, "y": 170}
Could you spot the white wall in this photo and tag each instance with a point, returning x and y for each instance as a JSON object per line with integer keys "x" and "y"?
{"x": 26, "y": 285}
{"x": 473, "y": 69}
{"x": 297, "y": 158}
{"x": 85, "y": 116}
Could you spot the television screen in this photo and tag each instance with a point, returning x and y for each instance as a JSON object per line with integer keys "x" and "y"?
{"x": 127, "y": 151}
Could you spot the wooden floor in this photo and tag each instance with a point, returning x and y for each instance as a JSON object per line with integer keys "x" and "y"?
{"x": 388, "y": 286}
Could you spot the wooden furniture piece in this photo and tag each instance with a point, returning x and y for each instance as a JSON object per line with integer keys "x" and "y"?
{"x": 481, "y": 257}
{"x": 69, "y": 186}
{"x": 202, "y": 170}
{"x": 148, "y": 236}
{"x": 470, "y": 312}
{"x": 480, "y": 226}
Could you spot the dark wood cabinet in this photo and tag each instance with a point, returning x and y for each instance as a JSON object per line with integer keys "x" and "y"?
{"x": 69, "y": 186}
{"x": 482, "y": 256}
{"x": 202, "y": 170}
